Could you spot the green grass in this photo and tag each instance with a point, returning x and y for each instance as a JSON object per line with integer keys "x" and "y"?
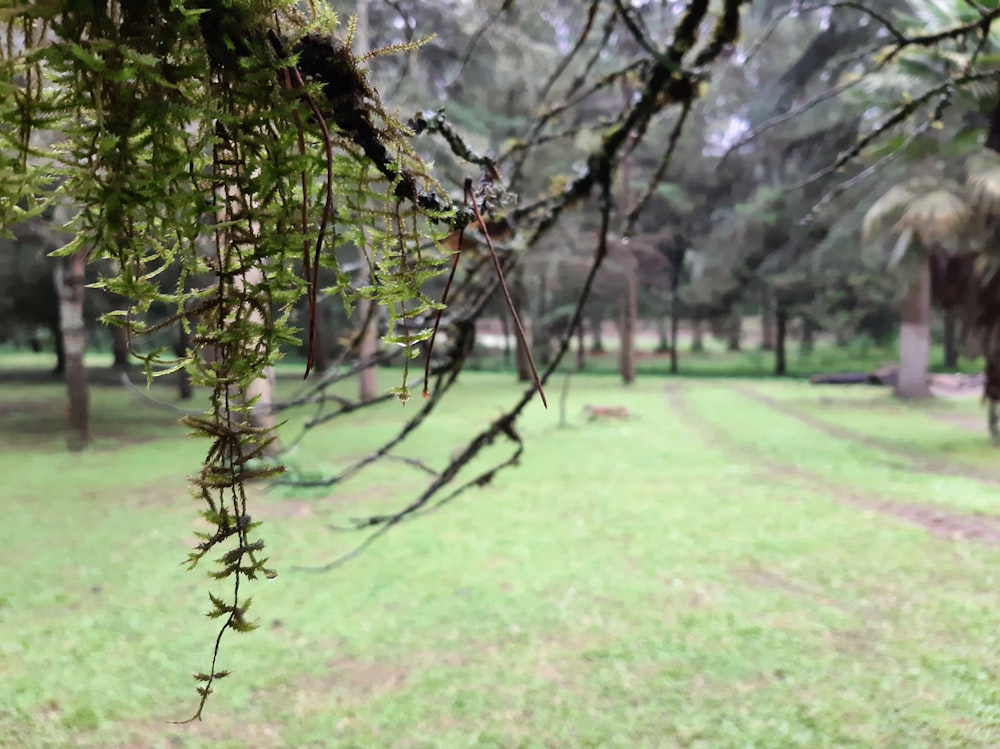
{"x": 716, "y": 572}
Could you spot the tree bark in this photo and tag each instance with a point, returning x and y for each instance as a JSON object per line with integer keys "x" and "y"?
{"x": 70, "y": 280}
{"x": 780, "y": 334}
{"x": 808, "y": 340}
{"x": 697, "y": 336}
{"x": 766, "y": 320}
{"x": 119, "y": 347}
{"x": 734, "y": 330}
{"x": 626, "y": 330}
{"x": 951, "y": 338}
{"x": 674, "y": 324}
{"x": 181, "y": 348}
{"x": 540, "y": 341}
{"x": 581, "y": 349}
{"x": 596, "y": 325}
{"x": 262, "y": 413}
{"x": 662, "y": 334}
{"x": 914, "y": 337}
{"x": 505, "y": 330}
{"x": 517, "y": 296}
{"x": 60, "y": 369}
{"x": 323, "y": 345}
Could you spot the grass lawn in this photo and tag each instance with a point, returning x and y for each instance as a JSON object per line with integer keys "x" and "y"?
{"x": 743, "y": 564}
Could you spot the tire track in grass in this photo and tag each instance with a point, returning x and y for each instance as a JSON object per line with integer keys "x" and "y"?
{"x": 938, "y": 521}
{"x": 918, "y": 461}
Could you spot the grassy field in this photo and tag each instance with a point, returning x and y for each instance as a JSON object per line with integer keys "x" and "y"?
{"x": 743, "y": 564}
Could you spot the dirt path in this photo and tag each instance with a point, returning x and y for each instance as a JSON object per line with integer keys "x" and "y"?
{"x": 919, "y": 462}
{"x": 941, "y": 522}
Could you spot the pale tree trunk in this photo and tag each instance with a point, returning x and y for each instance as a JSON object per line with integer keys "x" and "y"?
{"x": 626, "y": 329}
{"x": 70, "y": 280}
{"x": 697, "y": 335}
{"x": 766, "y": 320}
{"x": 914, "y": 337}
{"x": 323, "y": 343}
{"x": 734, "y": 330}
{"x": 808, "y": 340}
{"x": 368, "y": 346}
{"x": 674, "y": 323}
{"x": 596, "y": 328}
{"x": 181, "y": 348}
{"x": 951, "y": 338}
{"x": 119, "y": 347}
{"x": 517, "y": 296}
{"x": 662, "y": 334}
{"x": 262, "y": 413}
{"x": 368, "y": 343}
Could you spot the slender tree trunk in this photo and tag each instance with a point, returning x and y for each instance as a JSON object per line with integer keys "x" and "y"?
{"x": 951, "y": 338}
{"x": 766, "y": 320}
{"x": 540, "y": 341}
{"x": 808, "y": 340}
{"x": 518, "y": 295}
{"x": 674, "y": 324}
{"x": 56, "y": 330}
{"x": 697, "y": 335}
{"x": 843, "y": 335}
{"x": 505, "y": 330}
{"x": 581, "y": 349}
{"x": 734, "y": 330}
{"x": 626, "y": 334}
{"x": 368, "y": 344}
{"x": 181, "y": 348}
{"x": 263, "y": 388}
{"x": 70, "y": 281}
{"x": 662, "y": 334}
{"x": 914, "y": 337}
{"x": 596, "y": 328}
{"x": 119, "y": 347}
{"x": 367, "y": 348}
{"x": 780, "y": 334}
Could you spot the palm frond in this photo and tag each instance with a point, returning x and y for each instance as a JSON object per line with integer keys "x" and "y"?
{"x": 899, "y": 249}
{"x": 940, "y": 215}
{"x": 887, "y": 208}
{"x": 984, "y": 180}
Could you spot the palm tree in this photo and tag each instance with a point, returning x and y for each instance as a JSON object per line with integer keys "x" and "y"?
{"x": 928, "y": 214}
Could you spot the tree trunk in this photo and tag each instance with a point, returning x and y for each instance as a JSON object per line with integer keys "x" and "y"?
{"x": 70, "y": 279}
{"x": 808, "y": 340}
{"x": 518, "y": 296}
{"x": 951, "y": 338}
{"x": 581, "y": 349}
{"x": 626, "y": 329}
{"x": 540, "y": 341}
{"x": 914, "y": 337}
{"x": 674, "y": 324}
{"x": 697, "y": 336}
{"x": 662, "y": 334}
{"x": 597, "y": 343}
{"x": 262, "y": 389}
{"x": 323, "y": 344}
{"x": 734, "y": 330}
{"x": 843, "y": 335}
{"x": 181, "y": 349}
{"x": 766, "y": 320}
{"x": 780, "y": 333}
{"x": 367, "y": 348}
{"x": 56, "y": 330}
{"x": 119, "y": 347}
{"x": 505, "y": 330}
